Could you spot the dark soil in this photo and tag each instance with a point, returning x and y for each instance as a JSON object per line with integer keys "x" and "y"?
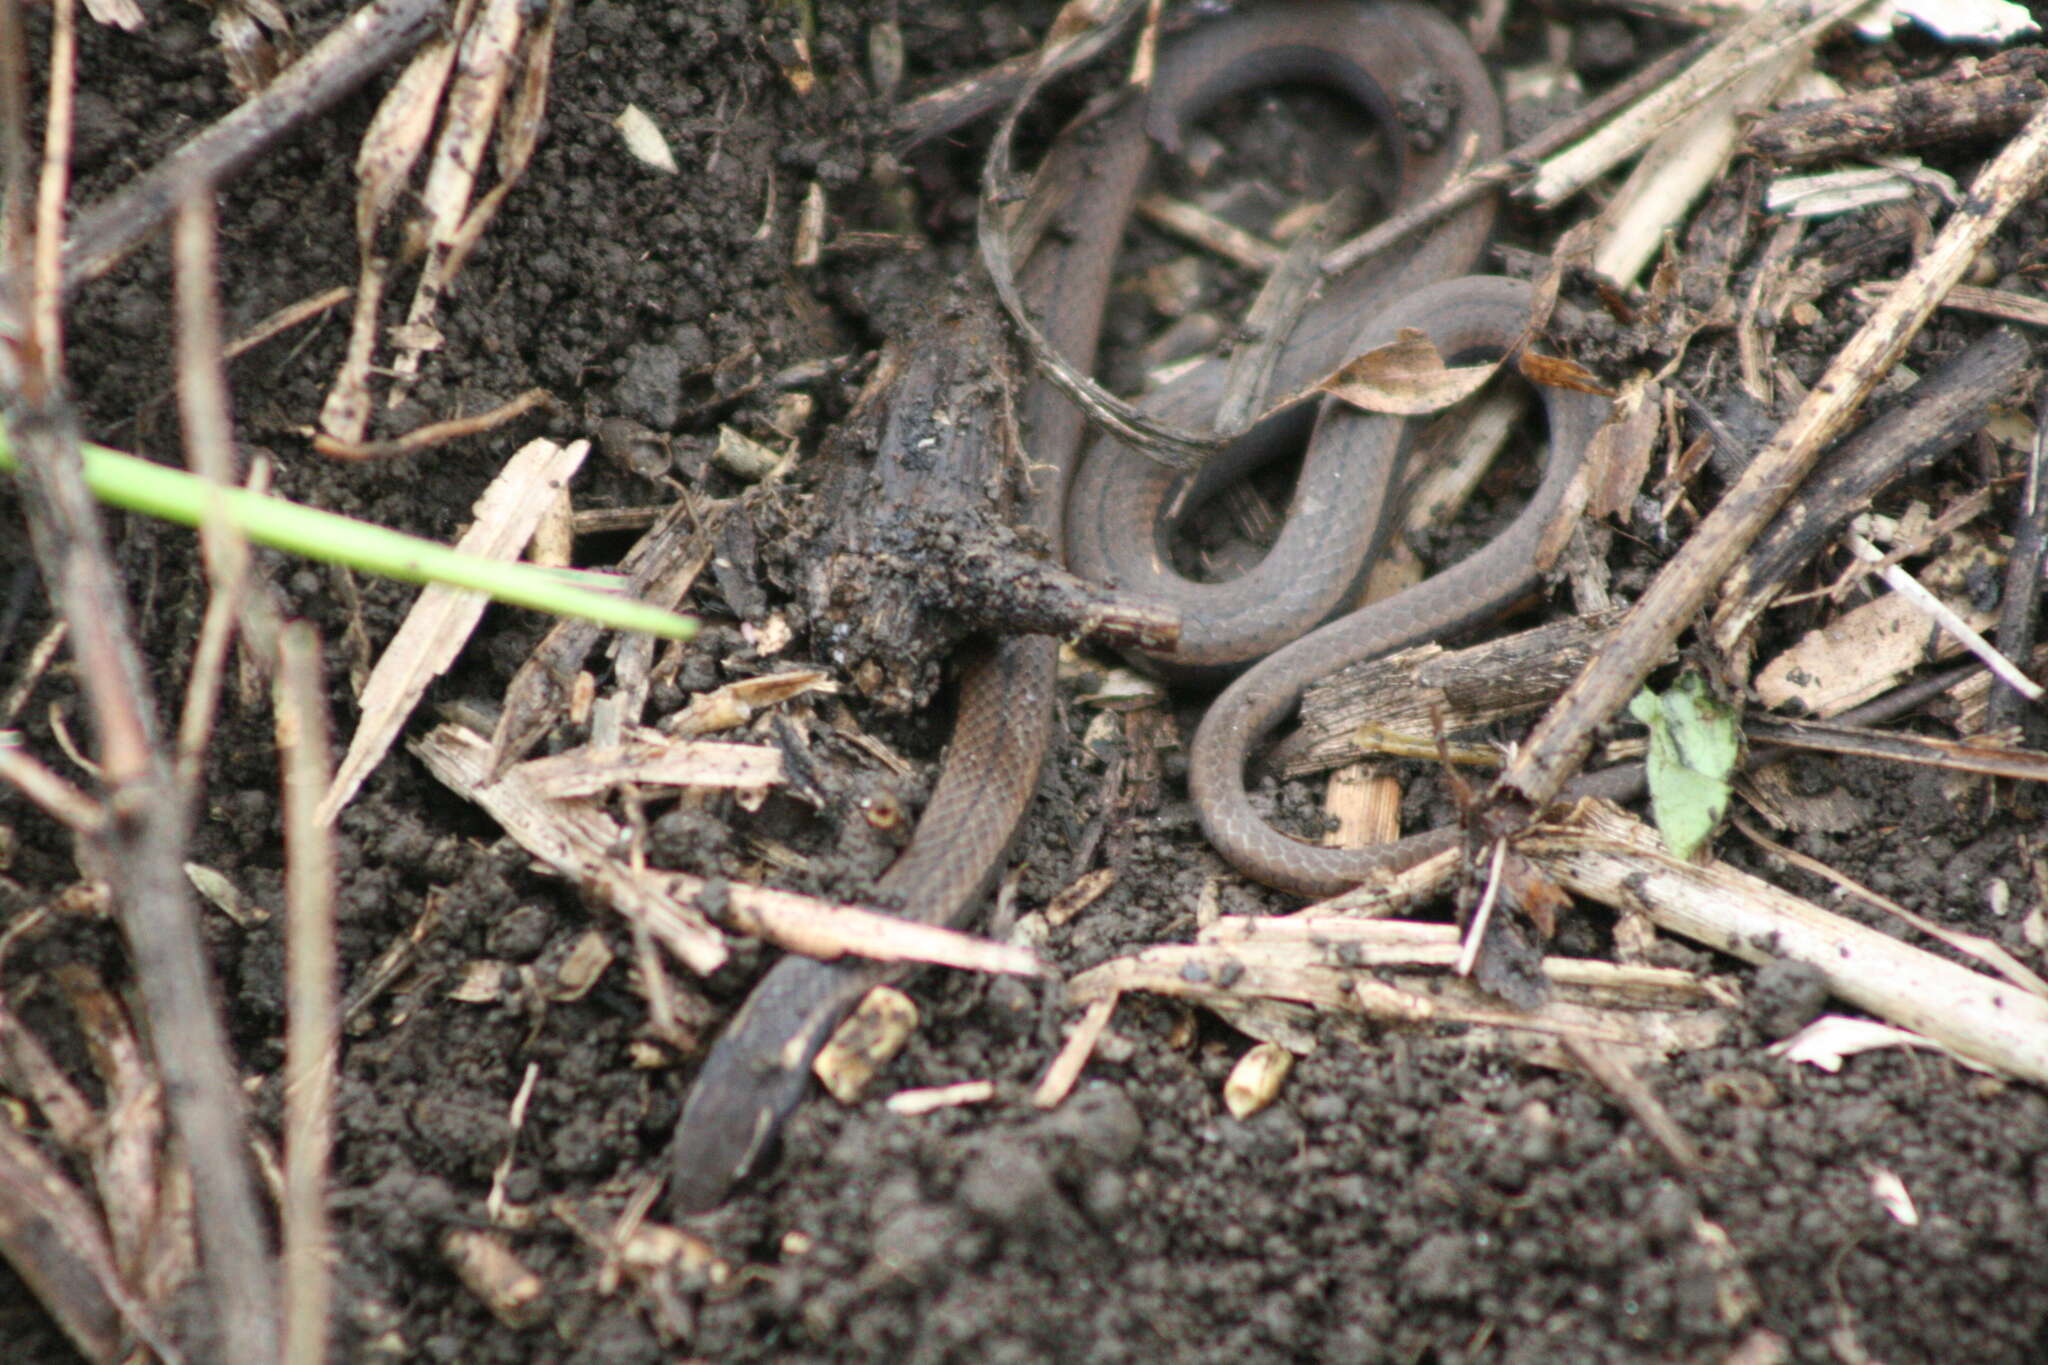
{"x": 1411, "y": 1198}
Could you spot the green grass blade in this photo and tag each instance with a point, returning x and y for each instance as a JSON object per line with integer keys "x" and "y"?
{"x": 139, "y": 485}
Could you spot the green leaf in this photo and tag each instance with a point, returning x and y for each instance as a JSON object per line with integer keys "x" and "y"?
{"x": 1695, "y": 744}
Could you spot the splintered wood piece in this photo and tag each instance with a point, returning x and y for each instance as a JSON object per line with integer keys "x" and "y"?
{"x": 1407, "y": 693}
{"x": 1606, "y": 855}
{"x": 734, "y": 704}
{"x": 660, "y": 762}
{"x": 660, "y": 569}
{"x": 865, "y": 1041}
{"x": 1975, "y": 99}
{"x": 442, "y": 617}
{"x": 1366, "y": 806}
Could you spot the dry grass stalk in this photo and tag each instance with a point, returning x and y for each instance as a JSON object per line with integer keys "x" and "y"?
{"x": 442, "y": 617}
{"x": 1775, "y": 30}
{"x": 312, "y": 1028}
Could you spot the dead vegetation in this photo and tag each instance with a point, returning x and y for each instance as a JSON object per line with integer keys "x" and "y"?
{"x": 1743, "y": 197}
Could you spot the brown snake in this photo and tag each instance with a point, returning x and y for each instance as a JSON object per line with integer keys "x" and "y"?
{"x": 759, "y": 1069}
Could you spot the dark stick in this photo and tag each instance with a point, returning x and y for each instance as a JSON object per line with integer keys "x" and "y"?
{"x": 1997, "y": 99}
{"x": 2017, "y": 613}
{"x": 363, "y": 45}
{"x": 1938, "y": 414}
{"x": 142, "y": 851}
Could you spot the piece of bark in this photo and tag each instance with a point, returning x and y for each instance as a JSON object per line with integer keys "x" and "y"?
{"x": 1857, "y": 655}
{"x": 1995, "y": 97}
{"x": 1409, "y": 692}
{"x": 1937, "y": 415}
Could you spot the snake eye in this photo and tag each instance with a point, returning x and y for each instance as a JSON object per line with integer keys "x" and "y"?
{"x": 883, "y": 810}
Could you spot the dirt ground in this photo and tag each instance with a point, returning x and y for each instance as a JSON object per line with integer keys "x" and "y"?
{"x": 1413, "y": 1196}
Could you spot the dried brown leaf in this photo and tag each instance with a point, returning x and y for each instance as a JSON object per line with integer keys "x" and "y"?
{"x": 1405, "y": 378}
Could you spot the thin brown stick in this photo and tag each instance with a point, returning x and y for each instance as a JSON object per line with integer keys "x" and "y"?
{"x": 14, "y": 205}
{"x": 209, "y": 443}
{"x": 1564, "y": 737}
{"x": 2022, "y": 598}
{"x": 312, "y": 1034}
{"x": 58, "y": 799}
{"x": 286, "y": 318}
{"x": 433, "y": 433}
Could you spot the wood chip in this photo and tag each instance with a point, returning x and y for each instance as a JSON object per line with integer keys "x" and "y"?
{"x": 865, "y": 1041}
{"x": 1254, "y": 1083}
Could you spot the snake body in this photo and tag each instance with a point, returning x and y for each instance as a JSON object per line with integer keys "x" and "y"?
{"x": 759, "y": 1069}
